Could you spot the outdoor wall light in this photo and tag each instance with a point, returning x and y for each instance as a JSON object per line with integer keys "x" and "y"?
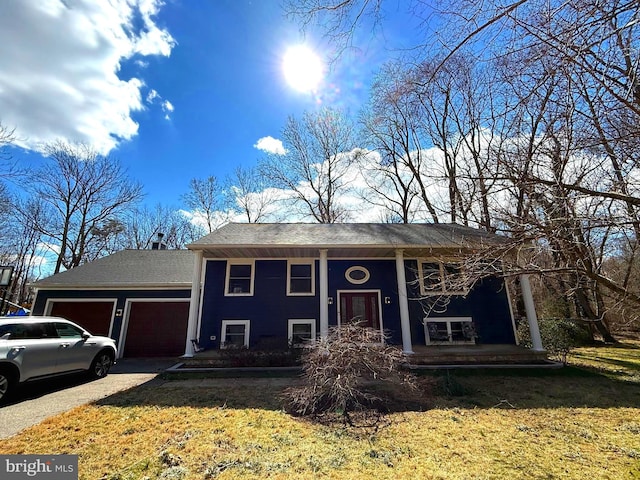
{"x": 387, "y": 300}
{"x": 330, "y": 300}
{"x": 5, "y": 276}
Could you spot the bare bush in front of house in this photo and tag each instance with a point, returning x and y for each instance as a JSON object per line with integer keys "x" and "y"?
{"x": 351, "y": 369}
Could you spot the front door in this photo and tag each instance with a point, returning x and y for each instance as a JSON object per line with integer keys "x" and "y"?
{"x": 360, "y": 307}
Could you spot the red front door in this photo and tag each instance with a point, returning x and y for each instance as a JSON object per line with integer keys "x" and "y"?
{"x": 360, "y": 307}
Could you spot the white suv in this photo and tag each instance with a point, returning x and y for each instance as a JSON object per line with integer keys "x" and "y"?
{"x": 38, "y": 347}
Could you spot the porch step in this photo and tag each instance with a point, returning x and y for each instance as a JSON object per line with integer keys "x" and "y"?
{"x": 475, "y": 354}
{"x": 243, "y": 359}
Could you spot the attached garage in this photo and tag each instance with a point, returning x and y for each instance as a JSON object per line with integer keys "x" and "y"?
{"x": 155, "y": 329}
{"x": 96, "y": 316}
{"x": 140, "y": 298}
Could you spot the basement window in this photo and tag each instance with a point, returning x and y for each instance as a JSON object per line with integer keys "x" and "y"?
{"x": 301, "y": 332}
{"x": 235, "y": 334}
{"x": 449, "y": 330}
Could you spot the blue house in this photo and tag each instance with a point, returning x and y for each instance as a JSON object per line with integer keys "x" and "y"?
{"x": 266, "y": 284}
{"x": 274, "y": 285}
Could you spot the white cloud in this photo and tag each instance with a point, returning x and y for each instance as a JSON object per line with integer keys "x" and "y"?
{"x": 152, "y": 95}
{"x": 167, "y": 106}
{"x": 270, "y": 145}
{"x": 60, "y": 63}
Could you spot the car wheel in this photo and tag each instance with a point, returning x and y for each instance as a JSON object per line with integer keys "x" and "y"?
{"x": 6, "y": 385}
{"x": 101, "y": 364}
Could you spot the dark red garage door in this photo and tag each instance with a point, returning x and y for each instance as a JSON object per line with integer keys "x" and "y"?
{"x": 95, "y": 316}
{"x": 156, "y": 329}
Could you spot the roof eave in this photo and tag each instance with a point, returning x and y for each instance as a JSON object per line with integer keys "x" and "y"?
{"x": 112, "y": 286}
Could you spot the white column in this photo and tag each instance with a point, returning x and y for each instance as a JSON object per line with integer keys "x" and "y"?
{"x": 530, "y": 310}
{"x": 405, "y": 325}
{"x": 324, "y": 294}
{"x": 193, "y": 304}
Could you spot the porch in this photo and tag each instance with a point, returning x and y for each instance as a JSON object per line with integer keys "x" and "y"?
{"x": 423, "y": 357}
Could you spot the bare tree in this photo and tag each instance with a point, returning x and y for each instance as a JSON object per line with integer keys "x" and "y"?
{"x": 559, "y": 175}
{"x": 82, "y": 192}
{"x": 205, "y": 198}
{"x": 9, "y": 168}
{"x": 22, "y": 241}
{"x": 247, "y": 192}
{"x": 142, "y": 226}
{"x": 7, "y": 136}
{"x": 320, "y": 148}
{"x": 394, "y": 126}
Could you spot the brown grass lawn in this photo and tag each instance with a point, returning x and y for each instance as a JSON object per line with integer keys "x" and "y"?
{"x": 574, "y": 423}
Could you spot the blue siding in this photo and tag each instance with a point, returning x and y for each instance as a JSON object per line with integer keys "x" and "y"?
{"x": 269, "y": 308}
{"x": 487, "y": 303}
{"x": 383, "y": 278}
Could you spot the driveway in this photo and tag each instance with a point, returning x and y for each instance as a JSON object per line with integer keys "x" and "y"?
{"x": 36, "y": 401}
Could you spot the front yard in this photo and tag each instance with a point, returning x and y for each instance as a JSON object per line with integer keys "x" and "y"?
{"x": 570, "y": 423}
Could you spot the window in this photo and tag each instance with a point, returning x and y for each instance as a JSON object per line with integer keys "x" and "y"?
{"x": 28, "y": 331}
{"x": 235, "y": 334}
{"x": 438, "y": 278}
{"x": 301, "y": 332}
{"x": 300, "y": 278}
{"x": 357, "y": 275}
{"x": 66, "y": 330}
{"x": 449, "y": 330}
{"x": 239, "y": 279}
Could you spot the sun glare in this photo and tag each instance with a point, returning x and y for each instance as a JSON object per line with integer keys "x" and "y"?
{"x": 302, "y": 68}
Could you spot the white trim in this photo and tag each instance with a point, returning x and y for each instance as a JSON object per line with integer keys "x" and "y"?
{"x": 448, "y": 321}
{"x": 203, "y": 276}
{"x": 301, "y": 261}
{"x": 300, "y": 321}
{"x": 120, "y": 288}
{"x": 324, "y": 293}
{"x": 513, "y": 318}
{"x": 48, "y": 306}
{"x": 195, "y": 302}
{"x": 532, "y": 317}
{"x": 379, "y": 292}
{"x": 350, "y": 258}
{"x": 239, "y": 261}
{"x": 127, "y": 313}
{"x": 357, "y": 268}
{"x": 223, "y": 333}
{"x": 403, "y": 300}
{"x": 441, "y": 262}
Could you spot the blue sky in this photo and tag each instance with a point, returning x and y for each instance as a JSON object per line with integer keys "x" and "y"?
{"x": 175, "y": 90}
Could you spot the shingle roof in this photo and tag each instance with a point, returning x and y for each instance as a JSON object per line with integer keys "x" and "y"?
{"x": 345, "y": 235}
{"x": 128, "y": 269}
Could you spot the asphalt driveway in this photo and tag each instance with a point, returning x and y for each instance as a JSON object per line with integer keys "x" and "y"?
{"x": 36, "y": 401}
